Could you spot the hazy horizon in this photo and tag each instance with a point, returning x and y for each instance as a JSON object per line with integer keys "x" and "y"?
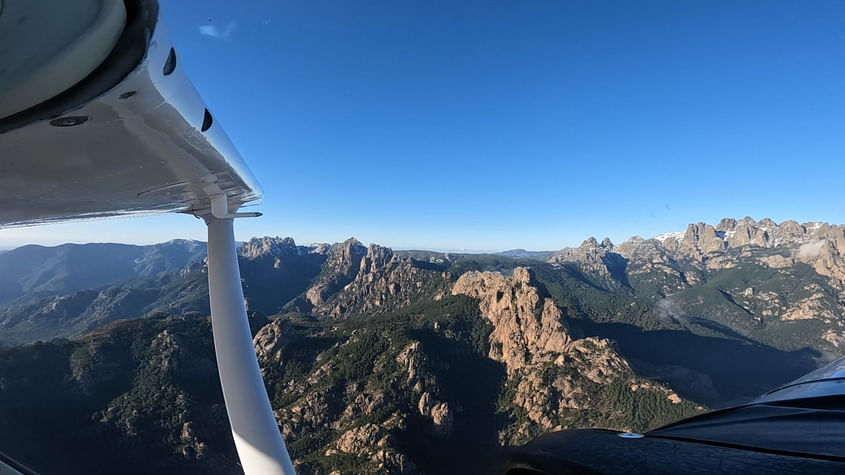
{"x": 75, "y": 233}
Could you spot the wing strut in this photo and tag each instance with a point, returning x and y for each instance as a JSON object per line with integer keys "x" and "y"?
{"x": 254, "y": 427}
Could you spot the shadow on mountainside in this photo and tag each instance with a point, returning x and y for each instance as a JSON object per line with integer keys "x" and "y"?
{"x": 717, "y": 372}
{"x": 617, "y": 265}
{"x": 471, "y": 383}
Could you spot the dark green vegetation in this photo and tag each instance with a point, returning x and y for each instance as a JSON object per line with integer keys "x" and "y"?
{"x": 134, "y": 397}
{"x": 719, "y": 300}
{"x": 364, "y": 356}
{"x": 708, "y": 349}
{"x": 716, "y": 371}
{"x": 612, "y": 405}
{"x": 141, "y": 396}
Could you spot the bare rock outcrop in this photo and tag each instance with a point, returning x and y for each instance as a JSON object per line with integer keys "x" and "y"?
{"x": 527, "y": 327}
{"x": 594, "y": 259}
{"x": 343, "y": 261}
{"x": 423, "y": 384}
{"x": 191, "y": 447}
{"x": 271, "y": 340}
{"x": 268, "y": 246}
{"x": 699, "y": 240}
{"x": 313, "y": 411}
{"x": 383, "y": 281}
{"x": 373, "y": 442}
{"x": 647, "y": 258}
{"x": 551, "y": 377}
{"x": 819, "y": 245}
{"x": 360, "y": 439}
{"x": 439, "y": 412}
{"x": 703, "y": 247}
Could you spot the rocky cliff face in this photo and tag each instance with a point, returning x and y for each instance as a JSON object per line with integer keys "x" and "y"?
{"x": 705, "y": 246}
{"x": 271, "y": 339}
{"x": 595, "y": 260}
{"x": 816, "y": 244}
{"x": 343, "y": 262}
{"x": 528, "y": 328}
{"x": 275, "y": 270}
{"x": 551, "y": 377}
{"x": 656, "y": 271}
{"x": 736, "y": 273}
{"x": 277, "y": 248}
{"x": 382, "y": 282}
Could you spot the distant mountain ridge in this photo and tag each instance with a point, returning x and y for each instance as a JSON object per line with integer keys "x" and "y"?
{"x": 72, "y": 267}
{"x": 540, "y": 255}
{"x": 739, "y": 273}
{"x": 62, "y": 286}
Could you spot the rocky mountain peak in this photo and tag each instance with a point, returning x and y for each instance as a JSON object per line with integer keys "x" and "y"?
{"x": 343, "y": 262}
{"x": 767, "y": 223}
{"x": 346, "y": 256}
{"x": 382, "y": 281}
{"x": 701, "y": 238}
{"x": 792, "y": 228}
{"x": 597, "y": 260}
{"x": 732, "y": 233}
{"x": 589, "y": 242}
{"x": 271, "y": 339}
{"x": 268, "y": 246}
{"x": 547, "y": 370}
{"x": 523, "y": 276}
{"x": 684, "y": 258}
{"x": 350, "y": 243}
{"x": 726, "y": 224}
{"x": 377, "y": 257}
{"x": 592, "y": 242}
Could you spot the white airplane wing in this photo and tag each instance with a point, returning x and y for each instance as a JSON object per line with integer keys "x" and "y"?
{"x": 97, "y": 118}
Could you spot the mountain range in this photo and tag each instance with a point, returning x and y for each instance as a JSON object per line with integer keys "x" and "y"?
{"x": 406, "y": 361}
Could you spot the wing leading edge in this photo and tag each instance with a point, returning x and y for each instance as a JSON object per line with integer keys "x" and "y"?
{"x": 145, "y": 143}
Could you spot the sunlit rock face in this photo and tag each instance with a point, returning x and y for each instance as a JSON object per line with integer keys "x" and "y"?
{"x": 548, "y": 371}
{"x": 527, "y": 327}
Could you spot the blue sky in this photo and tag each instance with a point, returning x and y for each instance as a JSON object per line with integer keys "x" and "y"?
{"x": 501, "y": 124}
